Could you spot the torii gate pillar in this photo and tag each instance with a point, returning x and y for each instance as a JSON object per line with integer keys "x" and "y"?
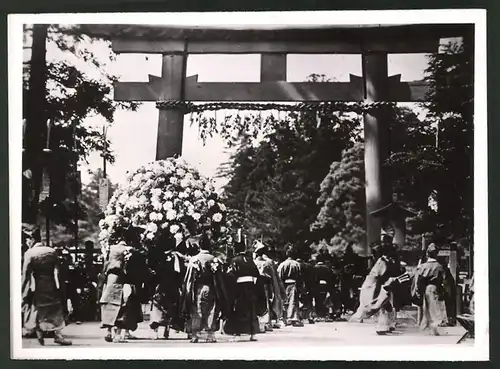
{"x": 170, "y": 121}
{"x": 376, "y": 137}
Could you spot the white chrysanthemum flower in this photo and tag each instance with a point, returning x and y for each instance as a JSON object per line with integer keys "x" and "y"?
{"x": 198, "y": 194}
{"x": 178, "y": 237}
{"x": 159, "y": 216}
{"x": 156, "y": 192}
{"x": 123, "y": 198}
{"x": 222, "y": 207}
{"x": 180, "y": 172}
{"x": 164, "y": 225}
{"x": 152, "y": 227}
{"x": 157, "y": 205}
{"x": 196, "y": 216}
{"x": 142, "y": 214}
{"x": 217, "y": 217}
{"x": 168, "y": 205}
{"x": 173, "y": 180}
{"x": 174, "y": 228}
{"x": 171, "y": 214}
{"x": 150, "y": 236}
{"x": 223, "y": 229}
{"x": 152, "y": 216}
{"x": 143, "y": 200}
{"x": 103, "y": 234}
{"x": 169, "y": 194}
{"x": 211, "y": 203}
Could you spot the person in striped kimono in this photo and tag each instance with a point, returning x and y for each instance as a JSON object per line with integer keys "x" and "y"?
{"x": 290, "y": 273}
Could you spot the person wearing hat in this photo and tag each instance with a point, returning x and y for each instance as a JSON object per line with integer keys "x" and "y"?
{"x": 43, "y": 310}
{"x": 124, "y": 270}
{"x": 249, "y": 300}
{"x": 428, "y": 290}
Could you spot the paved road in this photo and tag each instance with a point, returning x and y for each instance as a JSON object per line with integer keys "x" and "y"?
{"x": 336, "y": 333}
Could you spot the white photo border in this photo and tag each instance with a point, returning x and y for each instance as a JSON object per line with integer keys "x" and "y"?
{"x": 478, "y": 352}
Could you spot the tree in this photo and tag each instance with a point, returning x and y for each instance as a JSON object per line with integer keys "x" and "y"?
{"x": 88, "y": 216}
{"x": 274, "y": 183}
{"x": 451, "y": 107}
{"x": 63, "y": 95}
{"x": 341, "y": 218}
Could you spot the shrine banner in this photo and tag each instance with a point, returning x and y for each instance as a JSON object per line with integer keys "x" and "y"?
{"x": 103, "y": 193}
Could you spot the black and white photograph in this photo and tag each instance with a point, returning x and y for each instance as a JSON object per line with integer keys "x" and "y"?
{"x": 249, "y": 186}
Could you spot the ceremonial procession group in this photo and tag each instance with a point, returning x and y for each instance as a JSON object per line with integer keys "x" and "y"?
{"x": 195, "y": 292}
{"x": 190, "y": 287}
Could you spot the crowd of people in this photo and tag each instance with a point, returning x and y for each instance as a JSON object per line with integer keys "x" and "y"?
{"x": 191, "y": 290}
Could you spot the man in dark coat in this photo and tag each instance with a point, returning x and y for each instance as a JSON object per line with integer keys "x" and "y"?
{"x": 307, "y": 290}
{"x": 169, "y": 268}
{"x": 324, "y": 280}
{"x": 249, "y": 299}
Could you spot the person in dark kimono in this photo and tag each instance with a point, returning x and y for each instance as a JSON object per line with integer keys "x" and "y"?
{"x": 272, "y": 287}
{"x": 323, "y": 290}
{"x": 307, "y": 291}
{"x": 249, "y": 298}
{"x": 120, "y": 304}
{"x": 348, "y": 291}
{"x": 169, "y": 267}
{"x": 279, "y": 289}
{"x": 290, "y": 273}
{"x": 428, "y": 289}
{"x": 204, "y": 296}
{"x": 43, "y": 310}
{"x": 449, "y": 296}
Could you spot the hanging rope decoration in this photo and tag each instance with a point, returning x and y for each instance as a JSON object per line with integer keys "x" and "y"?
{"x": 321, "y": 106}
{"x": 233, "y": 126}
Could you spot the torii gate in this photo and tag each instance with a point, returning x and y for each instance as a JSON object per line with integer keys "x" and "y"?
{"x": 373, "y": 43}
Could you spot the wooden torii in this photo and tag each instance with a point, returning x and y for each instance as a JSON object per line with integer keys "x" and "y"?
{"x": 373, "y": 43}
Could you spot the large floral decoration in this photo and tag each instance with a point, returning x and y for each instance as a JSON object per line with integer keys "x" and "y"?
{"x": 164, "y": 197}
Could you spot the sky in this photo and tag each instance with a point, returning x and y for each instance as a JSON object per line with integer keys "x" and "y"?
{"x": 133, "y": 134}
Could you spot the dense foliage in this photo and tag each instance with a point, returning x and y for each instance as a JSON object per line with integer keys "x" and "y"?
{"x": 274, "y": 183}
{"x": 341, "y": 219}
{"x": 71, "y": 94}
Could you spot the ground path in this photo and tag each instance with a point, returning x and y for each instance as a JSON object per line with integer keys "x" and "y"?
{"x": 335, "y": 334}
